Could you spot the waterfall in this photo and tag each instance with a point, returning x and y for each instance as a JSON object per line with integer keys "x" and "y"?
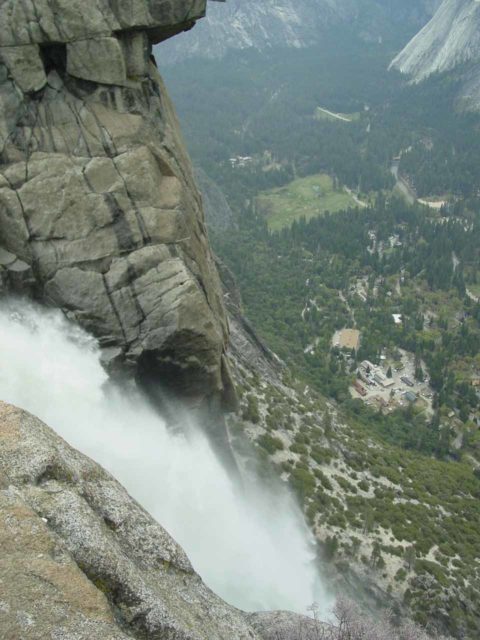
{"x": 250, "y": 544}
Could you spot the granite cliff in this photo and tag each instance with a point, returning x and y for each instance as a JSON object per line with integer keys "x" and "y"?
{"x": 100, "y": 217}
{"x": 99, "y": 212}
{"x": 248, "y": 24}
{"x": 450, "y": 42}
{"x": 81, "y": 559}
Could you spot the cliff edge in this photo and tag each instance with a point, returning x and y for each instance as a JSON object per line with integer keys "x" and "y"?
{"x": 99, "y": 212}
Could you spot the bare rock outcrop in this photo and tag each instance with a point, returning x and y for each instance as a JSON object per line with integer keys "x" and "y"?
{"x": 250, "y": 24}
{"x": 449, "y": 39}
{"x": 82, "y": 560}
{"x": 99, "y": 211}
{"x": 450, "y": 42}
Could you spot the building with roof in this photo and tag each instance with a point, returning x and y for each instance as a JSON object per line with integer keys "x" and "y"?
{"x": 410, "y": 396}
{"x": 382, "y": 380}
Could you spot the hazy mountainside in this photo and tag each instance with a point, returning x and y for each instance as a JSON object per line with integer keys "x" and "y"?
{"x": 242, "y": 24}
{"x": 451, "y": 39}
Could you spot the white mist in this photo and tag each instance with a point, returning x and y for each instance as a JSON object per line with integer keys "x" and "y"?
{"x": 251, "y": 546}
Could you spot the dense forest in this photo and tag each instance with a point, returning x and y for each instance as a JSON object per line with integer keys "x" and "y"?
{"x": 305, "y": 267}
{"x": 249, "y": 103}
{"x": 337, "y": 110}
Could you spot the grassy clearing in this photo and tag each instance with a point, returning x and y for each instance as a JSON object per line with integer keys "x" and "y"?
{"x": 304, "y": 197}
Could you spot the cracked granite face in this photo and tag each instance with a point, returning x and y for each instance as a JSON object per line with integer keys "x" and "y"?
{"x": 41, "y": 21}
{"x": 99, "y": 212}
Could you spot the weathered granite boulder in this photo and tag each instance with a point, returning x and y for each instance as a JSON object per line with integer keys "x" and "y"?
{"x": 41, "y": 21}
{"x": 81, "y": 560}
{"x": 99, "y": 212}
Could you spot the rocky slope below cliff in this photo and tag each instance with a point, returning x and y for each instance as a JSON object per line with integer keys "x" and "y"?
{"x": 243, "y": 24}
{"x": 380, "y": 532}
{"x": 381, "y": 515}
{"x": 450, "y": 41}
{"x": 99, "y": 212}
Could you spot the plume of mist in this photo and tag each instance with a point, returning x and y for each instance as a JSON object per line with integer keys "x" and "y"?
{"x": 250, "y": 544}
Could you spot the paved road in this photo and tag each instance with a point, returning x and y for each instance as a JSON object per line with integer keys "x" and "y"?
{"x": 335, "y": 115}
{"x": 402, "y": 186}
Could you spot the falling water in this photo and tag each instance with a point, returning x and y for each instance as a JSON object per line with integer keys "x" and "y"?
{"x": 250, "y": 545}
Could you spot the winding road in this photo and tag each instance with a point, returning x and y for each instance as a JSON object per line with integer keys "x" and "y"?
{"x": 402, "y": 185}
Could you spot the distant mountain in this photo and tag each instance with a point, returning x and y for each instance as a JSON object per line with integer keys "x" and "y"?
{"x": 242, "y": 24}
{"x": 450, "y": 41}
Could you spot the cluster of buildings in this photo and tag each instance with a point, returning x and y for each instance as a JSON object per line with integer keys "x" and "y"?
{"x": 240, "y": 161}
{"x": 375, "y": 387}
{"x": 371, "y": 373}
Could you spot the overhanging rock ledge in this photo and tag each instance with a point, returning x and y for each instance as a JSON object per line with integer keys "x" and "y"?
{"x": 99, "y": 212}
